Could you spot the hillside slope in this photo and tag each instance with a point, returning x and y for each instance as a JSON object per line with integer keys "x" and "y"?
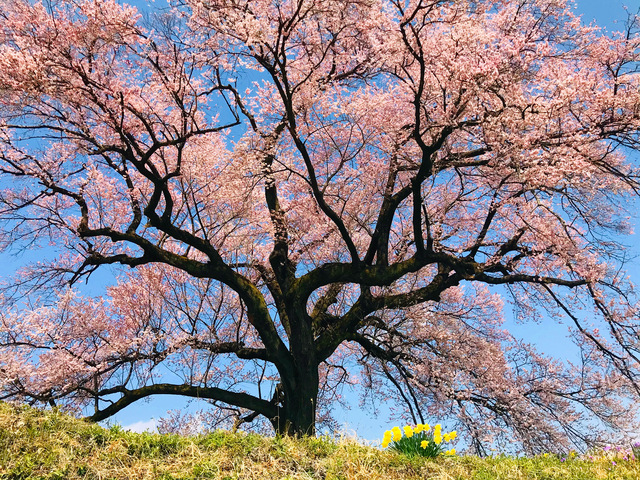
{"x": 37, "y": 444}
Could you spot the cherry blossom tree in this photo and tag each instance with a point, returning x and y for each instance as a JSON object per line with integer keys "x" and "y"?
{"x": 298, "y": 195}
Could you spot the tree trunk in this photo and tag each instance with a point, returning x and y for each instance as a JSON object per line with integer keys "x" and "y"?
{"x": 297, "y": 414}
{"x": 300, "y": 384}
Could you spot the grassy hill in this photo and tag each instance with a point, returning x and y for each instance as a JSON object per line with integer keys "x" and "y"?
{"x": 50, "y": 445}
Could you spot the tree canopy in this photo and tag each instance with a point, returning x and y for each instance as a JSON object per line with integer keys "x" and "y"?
{"x": 298, "y": 195}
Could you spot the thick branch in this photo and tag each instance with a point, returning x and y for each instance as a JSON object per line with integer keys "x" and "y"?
{"x": 242, "y": 400}
{"x": 236, "y": 348}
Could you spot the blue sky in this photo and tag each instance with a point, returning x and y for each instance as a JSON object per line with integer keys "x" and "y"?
{"x": 609, "y": 13}
{"x": 140, "y": 416}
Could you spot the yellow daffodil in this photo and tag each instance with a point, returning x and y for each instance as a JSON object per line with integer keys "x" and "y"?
{"x": 386, "y": 439}
{"x": 426, "y": 442}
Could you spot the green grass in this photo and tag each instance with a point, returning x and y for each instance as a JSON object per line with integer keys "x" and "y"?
{"x": 49, "y": 445}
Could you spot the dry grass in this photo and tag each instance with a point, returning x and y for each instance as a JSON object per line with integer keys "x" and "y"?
{"x": 49, "y": 445}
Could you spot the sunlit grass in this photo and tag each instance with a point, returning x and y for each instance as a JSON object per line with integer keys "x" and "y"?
{"x": 50, "y": 445}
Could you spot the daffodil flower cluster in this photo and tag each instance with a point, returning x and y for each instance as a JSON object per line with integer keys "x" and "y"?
{"x": 419, "y": 440}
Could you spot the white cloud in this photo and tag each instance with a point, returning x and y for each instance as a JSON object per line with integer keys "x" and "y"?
{"x": 142, "y": 426}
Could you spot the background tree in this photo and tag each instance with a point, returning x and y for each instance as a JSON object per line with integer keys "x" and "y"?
{"x": 316, "y": 192}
